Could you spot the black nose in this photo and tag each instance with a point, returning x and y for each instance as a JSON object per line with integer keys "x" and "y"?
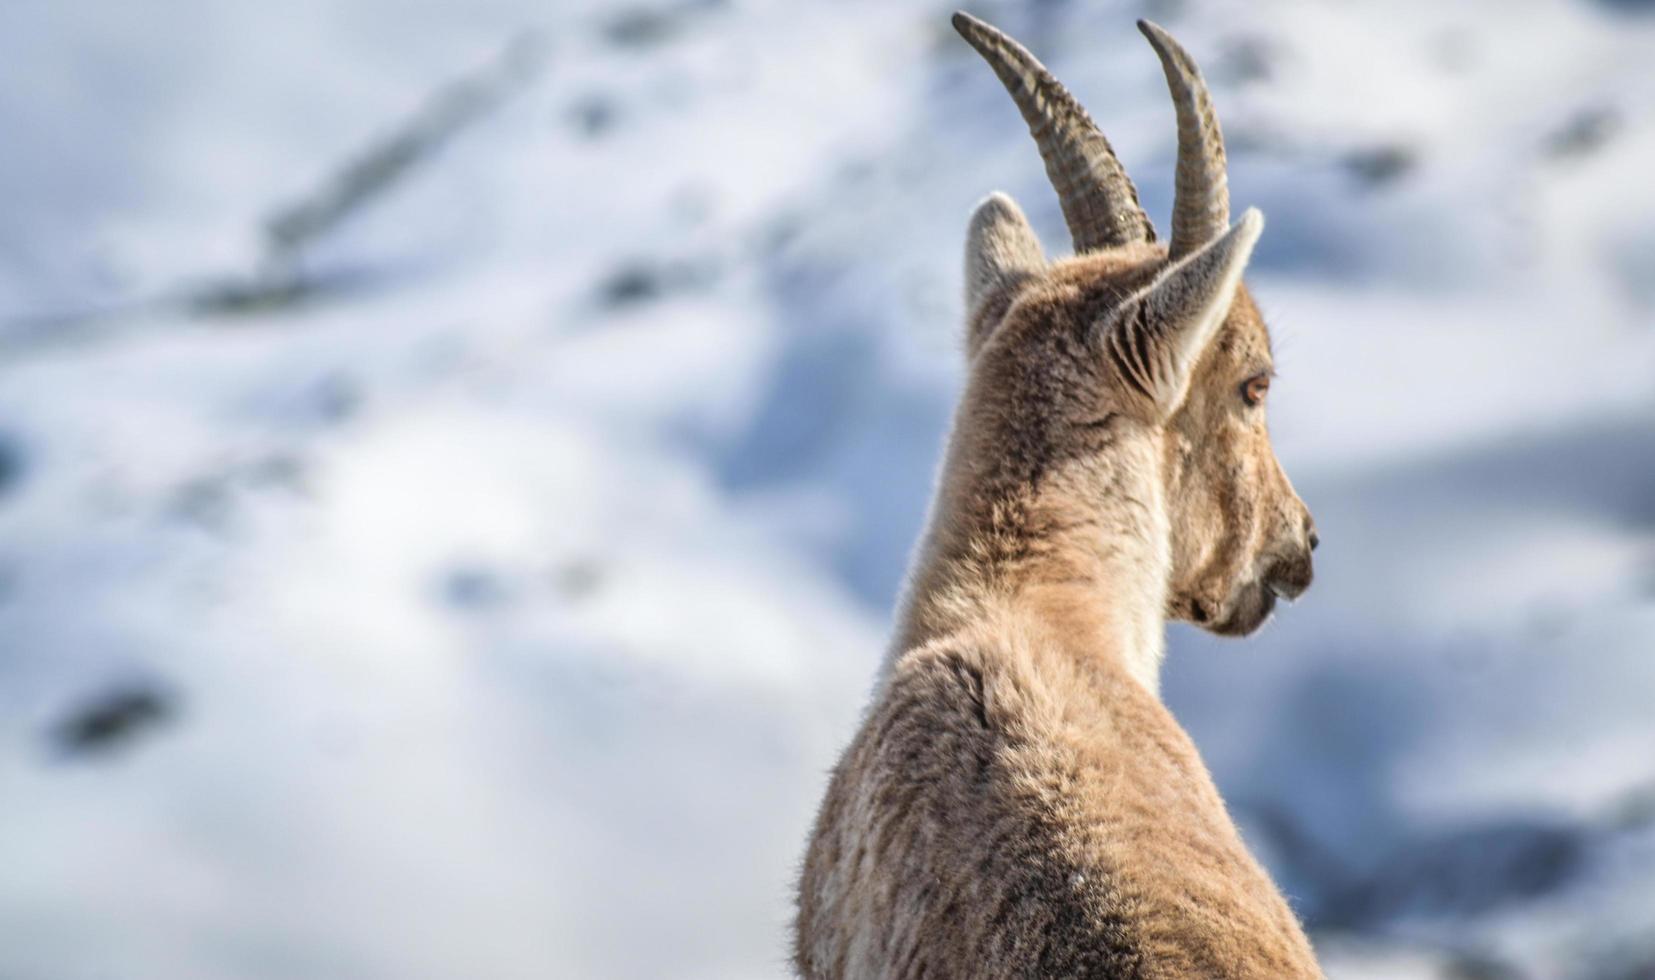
{"x": 1315, "y": 539}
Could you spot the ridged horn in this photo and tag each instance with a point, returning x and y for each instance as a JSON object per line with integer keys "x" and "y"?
{"x": 1201, "y": 201}
{"x": 1099, "y": 202}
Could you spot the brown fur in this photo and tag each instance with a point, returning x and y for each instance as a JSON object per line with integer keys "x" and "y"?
{"x": 1018, "y": 802}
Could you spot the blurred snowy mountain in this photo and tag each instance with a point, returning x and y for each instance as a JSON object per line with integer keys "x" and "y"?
{"x": 457, "y": 463}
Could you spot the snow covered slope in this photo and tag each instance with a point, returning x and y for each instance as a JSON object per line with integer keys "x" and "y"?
{"x": 479, "y": 579}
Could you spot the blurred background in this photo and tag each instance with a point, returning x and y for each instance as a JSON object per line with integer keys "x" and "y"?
{"x": 458, "y": 460}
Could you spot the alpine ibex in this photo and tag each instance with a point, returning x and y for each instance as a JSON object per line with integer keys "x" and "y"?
{"x": 1018, "y": 801}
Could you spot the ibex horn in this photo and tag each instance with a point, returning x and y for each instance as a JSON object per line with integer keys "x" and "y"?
{"x": 1098, "y": 199}
{"x": 1201, "y": 202}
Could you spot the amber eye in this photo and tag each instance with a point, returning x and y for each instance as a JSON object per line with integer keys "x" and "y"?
{"x": 1255, "y": 388}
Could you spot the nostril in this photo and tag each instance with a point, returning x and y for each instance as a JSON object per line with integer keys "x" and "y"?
{"x": 1315, "y": 539}
{"x": 1198, "y": 611}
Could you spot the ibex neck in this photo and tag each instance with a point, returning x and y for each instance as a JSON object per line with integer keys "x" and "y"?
{"x": 1085, "y": 571}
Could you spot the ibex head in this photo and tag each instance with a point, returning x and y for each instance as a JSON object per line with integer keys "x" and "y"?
{"x": 1134, "y": 341}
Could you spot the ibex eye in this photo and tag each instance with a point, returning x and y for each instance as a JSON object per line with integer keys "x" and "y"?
{"x": 1255, "y": 388}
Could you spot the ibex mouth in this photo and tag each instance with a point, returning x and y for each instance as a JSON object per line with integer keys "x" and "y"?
{"x": 1252, "y": 608}
{"x": 1288, "y": 579}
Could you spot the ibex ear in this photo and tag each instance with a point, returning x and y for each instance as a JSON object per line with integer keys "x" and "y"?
{"x": 1155, "y": 338}
{"x": 1001, "y": 251}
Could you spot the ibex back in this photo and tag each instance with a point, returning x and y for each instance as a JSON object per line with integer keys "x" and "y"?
{"x": 1018, "y": 802}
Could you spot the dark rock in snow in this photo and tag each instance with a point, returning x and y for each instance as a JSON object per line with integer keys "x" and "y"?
{"x": 1583, "y": 133}
{"x": 642, "y": 282}
{"x": 113, "y": 720}
{"x": 641, "y": 28}
{"x": 594, "y": 115}
{"x": 11, "y": 464}
{"x": 1380, "y": 166}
